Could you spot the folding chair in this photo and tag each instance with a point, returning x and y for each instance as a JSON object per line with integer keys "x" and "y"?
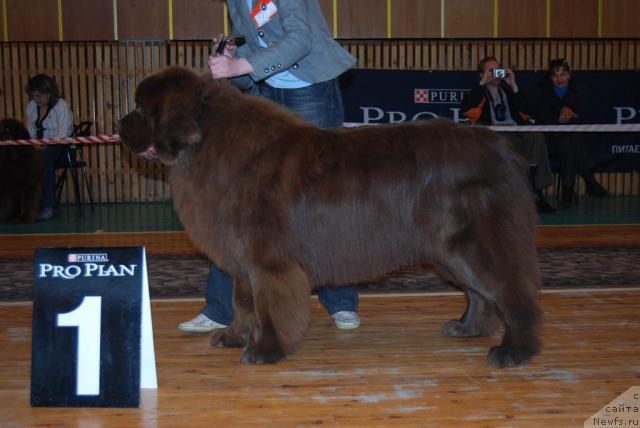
{"x": 69, "y": 162}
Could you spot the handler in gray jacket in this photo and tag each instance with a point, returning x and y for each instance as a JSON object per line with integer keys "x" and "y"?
{"x": 290, "y": 58}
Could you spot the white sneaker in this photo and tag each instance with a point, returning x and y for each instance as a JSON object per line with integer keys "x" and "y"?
{"x": 200, "y": 324}
{"x": 346, "y": 320}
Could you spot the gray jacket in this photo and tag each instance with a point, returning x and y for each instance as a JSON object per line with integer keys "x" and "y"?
{"x": 298, "y": 40}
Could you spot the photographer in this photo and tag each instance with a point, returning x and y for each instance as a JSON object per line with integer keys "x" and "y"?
{"x": 497, "y": 101}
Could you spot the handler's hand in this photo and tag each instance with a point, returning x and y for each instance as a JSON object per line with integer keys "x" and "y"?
{"x": 566, "y": 114}
{"x": 222, "y": 66}
{"x": 511, "y": 80}
{"x": 229, "y": 49}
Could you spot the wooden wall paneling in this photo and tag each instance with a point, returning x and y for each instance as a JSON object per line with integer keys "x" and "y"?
{"x": 102, "y": 72}
{"x": 125, "y": 70}
{"x": 116, "y": 85}
{"x": 143, "y": 19}
{"x": 449, "y": 55}
{"x": 475, "y": 57}
{"x": 415, "y": 18}
{"x": 394, "y": 58}
{"x": 620, "y": 18}
{"x": 624, "y": 54}
{"x": 197, "y": 19}
{"x": 31, "y": 20}
{"x": 327, "y": 11}
{"x": 87, "y": 19}
{"x": 85, "y": 61}
{"x": 362, "y": 19}
{"x": 468, "y": 18}
{"x": 600, "y": 58}
{"x": 380, "y": 57}
{"x": 522, "y": 55}
{"x": 419, "y": 54}
{"x": 522, "y": 18}
{"x": 4, "y": 83}
{"x": 611, "y": 54}
{"x": 574, "y": 18}
{"x": 18, "y": 111}
{"x": 457, "y": 56}
{"x": 442, "y": 56}
{"x": 2, "y": 35}
{"x": 139, "y": 178}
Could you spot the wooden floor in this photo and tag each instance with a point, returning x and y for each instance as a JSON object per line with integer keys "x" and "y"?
{"x": 395, "y": 370}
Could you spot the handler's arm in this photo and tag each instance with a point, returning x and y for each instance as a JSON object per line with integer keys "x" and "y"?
{"x": 282, "y": 54}
{"x": 293, "y": 16}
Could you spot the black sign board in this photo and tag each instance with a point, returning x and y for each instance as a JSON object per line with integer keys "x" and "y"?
{"x": 87, "y": 308}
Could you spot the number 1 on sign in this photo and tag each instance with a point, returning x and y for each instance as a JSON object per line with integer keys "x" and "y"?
{"x": 87, "y": 318}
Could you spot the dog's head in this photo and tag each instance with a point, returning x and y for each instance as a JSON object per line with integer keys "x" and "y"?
{"x": 164, "y": 122}
{"x": 12, "y": 129}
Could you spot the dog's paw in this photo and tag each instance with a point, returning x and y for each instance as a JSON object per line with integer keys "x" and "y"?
{"x": 224, "y": 338}
{"x": 506, "y": 356}
{"x": 252, "y": 355}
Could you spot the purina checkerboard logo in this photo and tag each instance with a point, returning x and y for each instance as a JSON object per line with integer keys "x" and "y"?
{"x": 438, "y": 96}
{"x": 421, "y": 96}
{"x": 82, "y": 258}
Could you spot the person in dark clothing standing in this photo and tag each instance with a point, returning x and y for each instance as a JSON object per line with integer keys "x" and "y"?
{"x": 560, "y": 101}
{"x": 497, "y": 101}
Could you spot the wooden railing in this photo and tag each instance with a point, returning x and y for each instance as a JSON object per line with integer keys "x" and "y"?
{"x": 98, "y": 79}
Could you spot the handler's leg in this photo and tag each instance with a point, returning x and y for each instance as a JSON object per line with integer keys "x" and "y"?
{"x": 218, "y": 311}
{"x": 342, "y": 305}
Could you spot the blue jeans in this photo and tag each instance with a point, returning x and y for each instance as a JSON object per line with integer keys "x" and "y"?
{"x": 51, "y": 155}
{"x": 320, "y": 104}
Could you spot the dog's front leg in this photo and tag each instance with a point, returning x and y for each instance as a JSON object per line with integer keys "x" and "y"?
{"x": 238, "y": 334}
{"x": 281, "y": 300}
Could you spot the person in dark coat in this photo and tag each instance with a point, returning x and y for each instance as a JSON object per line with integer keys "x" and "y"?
{"x": 560, "y": 100}
{"x": 497, "y": 101}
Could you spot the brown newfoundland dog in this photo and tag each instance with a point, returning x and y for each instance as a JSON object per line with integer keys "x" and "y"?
{"x": 21, "y": 175}
{"x": 285, "y": 207}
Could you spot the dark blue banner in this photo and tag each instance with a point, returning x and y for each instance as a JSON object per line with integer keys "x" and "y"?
{"x": 383, "y": 96}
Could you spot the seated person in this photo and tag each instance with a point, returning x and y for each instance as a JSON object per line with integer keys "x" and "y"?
{"x": 498, "y": 101}
{"x": 559, "y": 101}
{"x": 49, "y": 116}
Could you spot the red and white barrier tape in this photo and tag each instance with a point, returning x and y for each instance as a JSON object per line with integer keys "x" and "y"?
{"x": 94, "y": 139}
{"x": 91, "y": 139}
{"x": 629, "y": 127}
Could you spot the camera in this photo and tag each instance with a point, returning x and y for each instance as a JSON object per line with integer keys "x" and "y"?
{"x": 500, "y": 72}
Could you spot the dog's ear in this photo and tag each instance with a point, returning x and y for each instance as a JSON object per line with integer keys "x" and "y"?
{"x": 180, "y": 129}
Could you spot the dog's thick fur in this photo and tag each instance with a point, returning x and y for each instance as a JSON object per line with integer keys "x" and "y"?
{"x": 284, "y": 207}
{"x": 21, "y": 175}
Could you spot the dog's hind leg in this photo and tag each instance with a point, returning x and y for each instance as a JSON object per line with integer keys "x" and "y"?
{"x": 504, "y": 280}
{"x": 522, "y": 317}
{"x": 281, "y": 295}
{"x": 479, "y": 319}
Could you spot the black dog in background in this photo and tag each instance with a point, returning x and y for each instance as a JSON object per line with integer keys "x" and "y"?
{"x": 21, "y": 175}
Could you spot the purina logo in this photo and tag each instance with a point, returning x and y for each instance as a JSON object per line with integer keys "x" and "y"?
{"x": 82, "y": 258}
{"x": 438, "y": 96}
